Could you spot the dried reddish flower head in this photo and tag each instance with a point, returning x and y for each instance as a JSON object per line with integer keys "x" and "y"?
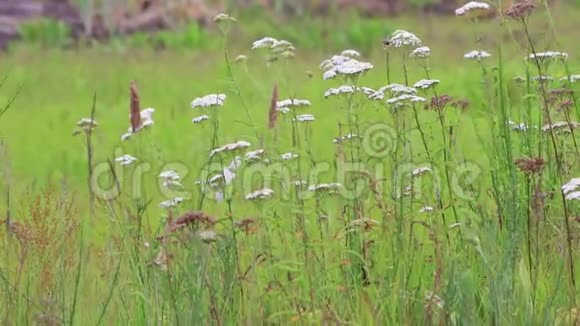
{"x": 521, "y": 9}
{"x": 439, "y": 102}
{"x": 530, "y": 165}
{"x": 195, "y": 219}
{"x": 134, "y": 110}
{"x": 273, "y": 112}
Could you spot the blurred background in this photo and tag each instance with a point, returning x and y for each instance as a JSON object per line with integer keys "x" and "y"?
{"x": 166, "y": 24}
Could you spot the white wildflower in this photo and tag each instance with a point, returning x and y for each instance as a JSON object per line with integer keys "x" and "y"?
{"x": 426, "y": 209}
{"x": 330, "y": 188}
{"x": 171, "y": 179}
{"x": 230, "y": 147}
{"x": 476, "y": 55}
{"x": 329, "y": 74}
{"x": 561, "y": 126}
{"x": 210, "y": 100}
{"x": 350, "y": 53}
{"x": 200, "y": 119}
{"x": 223, "y": 17}
{"x": 288, "y": 156}
{"x": 125, "y": 160}
{"x": 265, "y": 42}
{"x": 398, "y": 89}
{"x": 401, "y": 38}
{"x": 345, "y": 89}
{"x": 518, "y": 126}
{"x": 571, "y": 78}
{"x": 241, "y": 58}
{"x": 548, "y": 55}
{"x": 353, "y": 67}
{"x": 426, "y": 83}
{"x": 471, "y": 6}
{"x": 421, "y": 170}
{"x": 405, "y": 98}
{"x": 207, "y": 236}
{"x": 260, "y": 194}
{"x": 87, "y": 123}
{"x": 573, "y": 196}
{"x": 253, "y": 156}
{"x": 304, "y": 118}
{"x": 421, "y": 52}
{"x": 542, "y": 78}
{"x": 342, "y": 139}
{"x": 171, "y": 202}
{"x": 287, "y": 103}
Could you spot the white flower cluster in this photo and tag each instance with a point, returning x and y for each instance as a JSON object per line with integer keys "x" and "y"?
{"x": 571, "y": 78}
{"x": 426, "y": 209}
{"x": 518, "y": 126}
{"x": 561, "y": 126}
{"x": 254, "y": 156}
{"x": 146, "y": 121}
{"x": 241, "y": 144}
{"x": 288, "y": 156}
{"x": 330, "y": 188}
{"x": 304, "y": 118}
{"x": 285, "y": 105}
{"x": 87, "y": 124}
{"x": 350, "y": 53}
{"x": 171, "y": 179}
{"x": 401, "y": 38}
{"x": 421, "y": 52}
{"x": 421, "y": 170}
{"x": 548, "y": 55}
{"x": 211, "y": 100}
{"x": 426, "y": 83}
{"x": 260, "y": 194}
{"x": 343, "y": 65}
{"x": 345, "y": 89}
{"x": 405, "y": 99}
{"x": 199, "y": 119}
{"x": 125, "y": 160}
{"x": 277, "y": 48}
{"x": 171, "y": 202}
{"x": 342, "y": 139}
{"x": 471, "y": 6}
{"x": 223, "y": 18}
{"x": 571, "y": 189}
{"x": 476, "y": 55}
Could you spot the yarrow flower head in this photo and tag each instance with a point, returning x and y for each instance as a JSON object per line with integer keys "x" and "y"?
{"x": 401, "y": 39}
{"x": 276, "y": 48}
{"x": 304, "y": 118}
{"x": 472, "y": 6}
{"x": 211, "y": 100}
{"x": 476, "y": 55}
{"x": 242, "y": 144}
{"x": 171, "y": 179}
{"x": 426, "y": 83}
{"x": 329, "y": 188}
{"x": 85, "y": 125}
{"x": 520, "y": 9}
{"x": 421, "y": 52}
{"x": 125, "y": 160}
{"x": 405, "y": 99}
{"x": 571, "y": 78}
{"x": 260, "y": 194}
{"x": 345, "y": 89}
{"x": 350, "y": 53}
{"x": 145, "y": 122}
{"x": 264, "y": 43}
{"x": 421, "y": 170}
{"x": 288, "y": 156}
{"x": 547, "y": 56}
{"x": 223, "y": 18}
{"x": 561, "y": 126}
{"x": 285, "y": 105}
{"x": 343, "y": 65}
{"x": 170, "y": 203}
{"x": 571, "y": 189}
{"x": 199, "y": 119}
{"x": 254, "y": 156}
{"x": 348, "y": 137}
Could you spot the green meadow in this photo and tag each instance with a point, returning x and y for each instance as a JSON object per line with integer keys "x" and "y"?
{"x": 427, "y": 209}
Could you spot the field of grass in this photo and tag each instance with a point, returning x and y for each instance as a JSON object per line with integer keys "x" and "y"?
{"x": 445, "y": 212}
